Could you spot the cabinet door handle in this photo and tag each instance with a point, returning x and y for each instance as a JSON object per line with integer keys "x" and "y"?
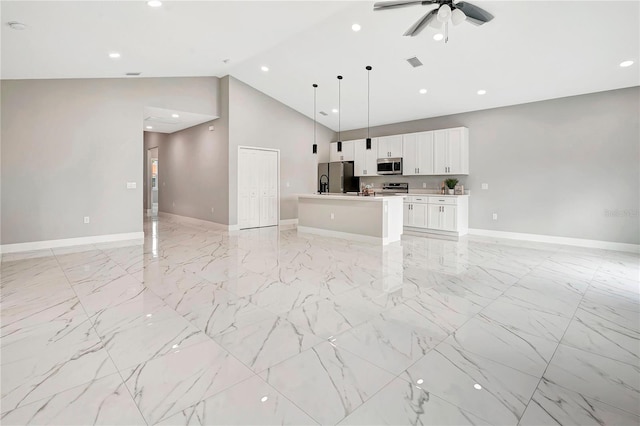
{"x": 418, "y": 169}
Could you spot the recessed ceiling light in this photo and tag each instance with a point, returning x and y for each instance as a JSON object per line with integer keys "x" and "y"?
{"x": 626, "y": 64}
{"x": 175, "y": 115}
{"x": 264, "y": 68}
{"x": 420, "y": 381}
{"x": 114, "y": 55}
{"x": 149, "y": 127}
{"x": 482, "y": 92}
{"x": 356, "y": 27}
{"x": 335, "y": 110}
{"x": 423, "y": 91}
{"x": 154, "y": 3}
{"x": 438, "y": 37}
{"x": 477, "y": 386}
{"x": 17, "y": 25}
{"x": 264, "y": 398}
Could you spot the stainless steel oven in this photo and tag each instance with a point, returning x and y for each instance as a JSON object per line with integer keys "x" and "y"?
{"x": 389, "y": 166}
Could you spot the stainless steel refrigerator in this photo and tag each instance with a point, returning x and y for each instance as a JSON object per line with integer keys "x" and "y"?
{"x": 337, "y": 177}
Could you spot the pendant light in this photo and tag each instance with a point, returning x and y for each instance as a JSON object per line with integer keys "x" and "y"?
{"x": 368, "y": 68}
{"x": 339, "y": 114}
{"x": 315, "y": 143}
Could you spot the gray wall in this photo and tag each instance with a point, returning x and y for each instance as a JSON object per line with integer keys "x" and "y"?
{"x": 256, "y": 119}
{"x": 556, "y": 167}
{"x": 69, "y": 147}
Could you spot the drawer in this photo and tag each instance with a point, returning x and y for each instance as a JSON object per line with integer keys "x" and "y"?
{"x": 443, "y": 200}
{"x": 416, "y": 199}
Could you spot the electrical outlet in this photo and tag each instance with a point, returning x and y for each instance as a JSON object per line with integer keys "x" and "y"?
{"x": 485, "y": 186}
{"x": 332, "y": 216}
{"x": 86, "y": 219}
{"x": 495, "y": 216}
{"x": 424, "y": 184}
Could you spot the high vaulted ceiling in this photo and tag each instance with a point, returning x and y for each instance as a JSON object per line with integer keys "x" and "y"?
{"x": 532, "y": 50}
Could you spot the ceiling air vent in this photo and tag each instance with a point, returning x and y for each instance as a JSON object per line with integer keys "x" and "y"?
{"x": 323, "y": 113}
{"x": 414, "y": 62}
{"x": 132, "y": 74}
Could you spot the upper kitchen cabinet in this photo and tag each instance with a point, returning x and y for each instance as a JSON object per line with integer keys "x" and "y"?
{"x": 365, "y": 160}
{"x": 451, "y": 151}
{"x": 390, "y": 146}
{"x": 417, "y": 151}
{"x": 346, "y": 154}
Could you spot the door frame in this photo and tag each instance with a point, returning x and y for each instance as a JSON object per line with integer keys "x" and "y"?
{"x": 255, "y": 148}
{"x": 148, "y": 180}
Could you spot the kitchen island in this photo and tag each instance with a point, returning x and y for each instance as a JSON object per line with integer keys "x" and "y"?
{"x": 374, "y": 218}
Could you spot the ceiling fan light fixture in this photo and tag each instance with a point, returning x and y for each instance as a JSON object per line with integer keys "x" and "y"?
{"x": 436, "y": 24}
{"x": 458, "y": 17}
{"x": 444, "y": 13}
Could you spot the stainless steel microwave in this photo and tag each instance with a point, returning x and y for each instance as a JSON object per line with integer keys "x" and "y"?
{"x": 389, "y": 166}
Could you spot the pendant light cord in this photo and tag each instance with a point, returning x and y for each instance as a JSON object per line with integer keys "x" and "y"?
{"x": 368, "y": 98}
{"x": 315, "y": 90}
{"x": 339, "y": 108}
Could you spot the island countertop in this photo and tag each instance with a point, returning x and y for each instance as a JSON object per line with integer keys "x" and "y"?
{"x": 348, "y": 197}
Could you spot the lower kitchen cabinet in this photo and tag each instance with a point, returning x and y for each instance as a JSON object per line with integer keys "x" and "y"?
{"x": 415, "y": 214}
{"x": 440, "y": 215}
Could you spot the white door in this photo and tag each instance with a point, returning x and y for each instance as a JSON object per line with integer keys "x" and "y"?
{"x": 269, "y": 188}
{"x": 257, "y": 188}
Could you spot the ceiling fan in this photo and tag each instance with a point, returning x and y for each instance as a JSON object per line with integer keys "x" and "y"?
{"x": 455, "y": 10}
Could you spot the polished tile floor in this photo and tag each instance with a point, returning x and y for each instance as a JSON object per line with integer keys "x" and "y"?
{"x": 203, "y": 326}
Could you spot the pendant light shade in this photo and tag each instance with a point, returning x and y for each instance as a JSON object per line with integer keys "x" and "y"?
{"x": 444, "y": 13}
{"x": 339, "y": 116}
{"x": 458, "y": 17}
{"x": 368, "y": 68}
{"x": 315, "y": 143}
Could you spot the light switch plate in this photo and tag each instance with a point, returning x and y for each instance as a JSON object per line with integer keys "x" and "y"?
{"x": 86, "y": 219}
{"x": 485, "y": 186}
{"x": 131, "y": 185}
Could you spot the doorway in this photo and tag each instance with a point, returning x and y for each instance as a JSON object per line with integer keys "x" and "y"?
{"x": 258, "y": 183}
{"x": 152, "y": 181}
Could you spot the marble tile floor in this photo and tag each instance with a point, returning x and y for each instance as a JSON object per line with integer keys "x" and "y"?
{"x": 198, "y": 325}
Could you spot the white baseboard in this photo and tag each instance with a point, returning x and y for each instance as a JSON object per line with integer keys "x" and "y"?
{"x": 288, "y": 222}
{"x": 578, "y": 242}
{"x": 345, "y": 235}
{"x": 68, "y": 242}
{"x": 234, "y": 227}
{"x": 194, "y": 221}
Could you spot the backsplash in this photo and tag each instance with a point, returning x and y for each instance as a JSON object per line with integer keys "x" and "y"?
{"x": 433, "y": 183}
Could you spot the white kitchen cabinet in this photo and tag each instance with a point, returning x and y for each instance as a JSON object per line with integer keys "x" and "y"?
{"x": 417, "y": 154}
{"x": 451, "y": 151}
{"x": 390, "y": 146}
{"x": 346, "y": 154}
{"x": 415, "y": 212}
{"x": 365, "y": 160}
{"x": 444, "y": 215}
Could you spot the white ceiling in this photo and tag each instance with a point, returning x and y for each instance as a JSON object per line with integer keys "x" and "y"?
{"x": 163, "y": 120}
{"x": 532, "y": 50}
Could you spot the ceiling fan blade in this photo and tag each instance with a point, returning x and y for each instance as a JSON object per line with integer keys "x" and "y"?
{"x": 475, "y": 15}
{"x": 383, "y": 5}
{"x": 415, "y": 29}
